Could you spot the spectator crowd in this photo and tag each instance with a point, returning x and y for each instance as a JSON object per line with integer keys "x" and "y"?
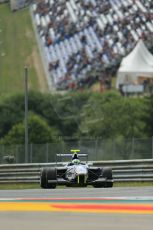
{"x": 85, "y": 40}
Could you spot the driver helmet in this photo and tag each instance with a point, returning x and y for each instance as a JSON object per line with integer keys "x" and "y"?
{"x": 76, "y": 161}
{"x": 75, "y": 156}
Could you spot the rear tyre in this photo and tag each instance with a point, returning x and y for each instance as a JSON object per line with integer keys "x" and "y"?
{"x": 99, "y": 185}
{"x": 107, "y": 173}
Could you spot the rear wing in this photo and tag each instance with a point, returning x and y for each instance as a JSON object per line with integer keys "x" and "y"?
{"x": 69, "y": 156}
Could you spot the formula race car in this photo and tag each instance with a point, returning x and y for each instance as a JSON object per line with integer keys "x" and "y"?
{"x": 76, "y": 173}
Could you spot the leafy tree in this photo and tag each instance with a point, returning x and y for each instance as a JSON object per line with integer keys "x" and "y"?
{"x": 110, "y": 115}
{"x": 148, "y": 116}
{"x": 68, "y": 108}
{"x": 12, "y": 112}
{"x": 60, "y": 113}
{"x": 39, "y": 132}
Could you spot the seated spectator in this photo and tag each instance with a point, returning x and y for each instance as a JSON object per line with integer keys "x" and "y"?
{"x": 85, "y": 35}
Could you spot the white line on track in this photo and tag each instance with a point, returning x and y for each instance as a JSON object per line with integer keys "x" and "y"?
{"x": 80, "y": 198}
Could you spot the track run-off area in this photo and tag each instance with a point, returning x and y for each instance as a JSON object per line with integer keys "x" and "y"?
{"x": 88, "y": 205}
{"x": 111, "y": 200}
{"x": 77, "y": 208}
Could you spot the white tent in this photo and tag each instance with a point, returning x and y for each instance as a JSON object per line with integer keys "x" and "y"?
{"x": 138, "y": 63}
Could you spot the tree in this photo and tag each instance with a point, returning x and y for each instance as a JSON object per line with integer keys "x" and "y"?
{"x": 39, "y": 132}
{"x": 110, "y": 115}
{"x": 12, "y": 110}
{"x": 148, "y": 116}
{"x": 107, "y": 115}
{"x": 68, "y": 108}
{"x": 60, "y": 113}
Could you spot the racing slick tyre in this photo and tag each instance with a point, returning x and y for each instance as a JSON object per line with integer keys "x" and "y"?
{"x": 48, "y": 174}
{"x": 99, "y": 184}
{"x": 107, "y": 173}
{"x": 43, "y": 178}
{"x": 51, "y": 175}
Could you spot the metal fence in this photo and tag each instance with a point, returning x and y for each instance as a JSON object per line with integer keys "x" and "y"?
{"x": 97, "y": 150}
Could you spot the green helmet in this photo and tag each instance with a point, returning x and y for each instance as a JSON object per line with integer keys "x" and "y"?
{"x": 76, "y": 161}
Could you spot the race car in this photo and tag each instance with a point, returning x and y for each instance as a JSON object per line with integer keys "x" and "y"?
{"x": 76, "y": 173}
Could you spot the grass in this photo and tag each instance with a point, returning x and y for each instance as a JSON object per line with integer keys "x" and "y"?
{"x": 132, "y": 184}
{"x": 17, "y": 45}
{"x": 37, "y": 186}
{"x": 19, "y": 186}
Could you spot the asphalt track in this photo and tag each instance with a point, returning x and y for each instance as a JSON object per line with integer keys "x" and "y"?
{"x": 85, "y": 208}
{"x": 79, "y": 192}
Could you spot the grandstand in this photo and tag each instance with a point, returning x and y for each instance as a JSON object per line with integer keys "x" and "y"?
{"x": 85, "y": 40}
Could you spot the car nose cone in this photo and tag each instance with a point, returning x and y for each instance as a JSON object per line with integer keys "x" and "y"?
{"x": 81, "y": 170}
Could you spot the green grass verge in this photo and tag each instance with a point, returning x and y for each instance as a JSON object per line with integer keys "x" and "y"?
{"x": 17, "y": 48}
{"x": 19, "y": 186}
{"x": 132, "y": 184}
{"x": 37, "y": 186}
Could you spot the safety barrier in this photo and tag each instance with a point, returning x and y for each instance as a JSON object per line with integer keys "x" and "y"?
{"x": 123, "y": 171}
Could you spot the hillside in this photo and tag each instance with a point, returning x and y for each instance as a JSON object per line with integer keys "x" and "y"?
{"x": 18, "y": 48}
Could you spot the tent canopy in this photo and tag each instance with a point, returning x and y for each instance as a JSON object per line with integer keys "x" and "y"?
{"x": 138, "y": 63}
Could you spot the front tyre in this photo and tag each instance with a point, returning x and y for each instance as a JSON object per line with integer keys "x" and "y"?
{"x": 48, "y": 174}
{"x": 51, "y": 175}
